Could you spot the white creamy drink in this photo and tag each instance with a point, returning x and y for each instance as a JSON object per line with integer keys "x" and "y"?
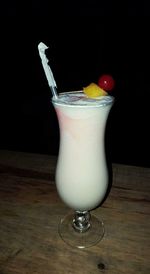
{"x": 81, "y": 173}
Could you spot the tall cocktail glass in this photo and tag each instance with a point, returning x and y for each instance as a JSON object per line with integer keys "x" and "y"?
{"x": 81, "y": 171}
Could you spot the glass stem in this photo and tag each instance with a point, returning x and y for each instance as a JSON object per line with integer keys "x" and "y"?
{"x": 81, "y": 221}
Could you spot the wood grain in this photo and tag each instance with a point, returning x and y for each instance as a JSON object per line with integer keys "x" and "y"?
{"x": 30, "y": 210}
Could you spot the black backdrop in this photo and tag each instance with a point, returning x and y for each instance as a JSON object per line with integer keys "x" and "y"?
{"x": 81, "y": 48}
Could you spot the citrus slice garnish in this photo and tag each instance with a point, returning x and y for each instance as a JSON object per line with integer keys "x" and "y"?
{"x": 94, "y": 91}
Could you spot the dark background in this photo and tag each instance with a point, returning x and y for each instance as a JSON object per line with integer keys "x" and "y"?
{"x": 83, "y": 46}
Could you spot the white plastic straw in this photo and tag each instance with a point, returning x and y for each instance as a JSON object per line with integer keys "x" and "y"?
{"x": 48, "y": 72}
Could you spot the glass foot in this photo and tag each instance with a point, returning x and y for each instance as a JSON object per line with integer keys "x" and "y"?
{"x": 81, "y": 234}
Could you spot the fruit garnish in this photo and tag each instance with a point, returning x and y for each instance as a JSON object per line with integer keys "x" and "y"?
{"x": 106, "y": 82}
{"x": 94, "y": 91}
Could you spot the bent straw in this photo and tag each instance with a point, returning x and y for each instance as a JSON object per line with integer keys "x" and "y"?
{"x": 48, "y": 72}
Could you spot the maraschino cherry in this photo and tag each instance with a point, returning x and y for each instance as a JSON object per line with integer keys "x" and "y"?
{"x": 106, "y": 82}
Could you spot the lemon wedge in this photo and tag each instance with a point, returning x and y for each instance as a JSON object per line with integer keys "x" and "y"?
{"x": 94, "y": 91}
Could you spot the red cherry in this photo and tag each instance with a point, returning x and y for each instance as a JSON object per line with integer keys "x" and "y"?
{"x": 106, "y": 82}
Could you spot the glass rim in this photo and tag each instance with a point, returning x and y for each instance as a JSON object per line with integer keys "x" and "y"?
{"x": 93, "y": 102}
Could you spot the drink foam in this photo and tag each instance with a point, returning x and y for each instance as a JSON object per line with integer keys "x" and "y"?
{"x": 78, "y": 98}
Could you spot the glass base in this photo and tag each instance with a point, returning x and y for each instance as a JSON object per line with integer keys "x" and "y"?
{"x": 81, "y": 238}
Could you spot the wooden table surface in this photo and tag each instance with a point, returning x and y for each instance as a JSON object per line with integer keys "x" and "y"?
{"x": 30, "y": 210}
